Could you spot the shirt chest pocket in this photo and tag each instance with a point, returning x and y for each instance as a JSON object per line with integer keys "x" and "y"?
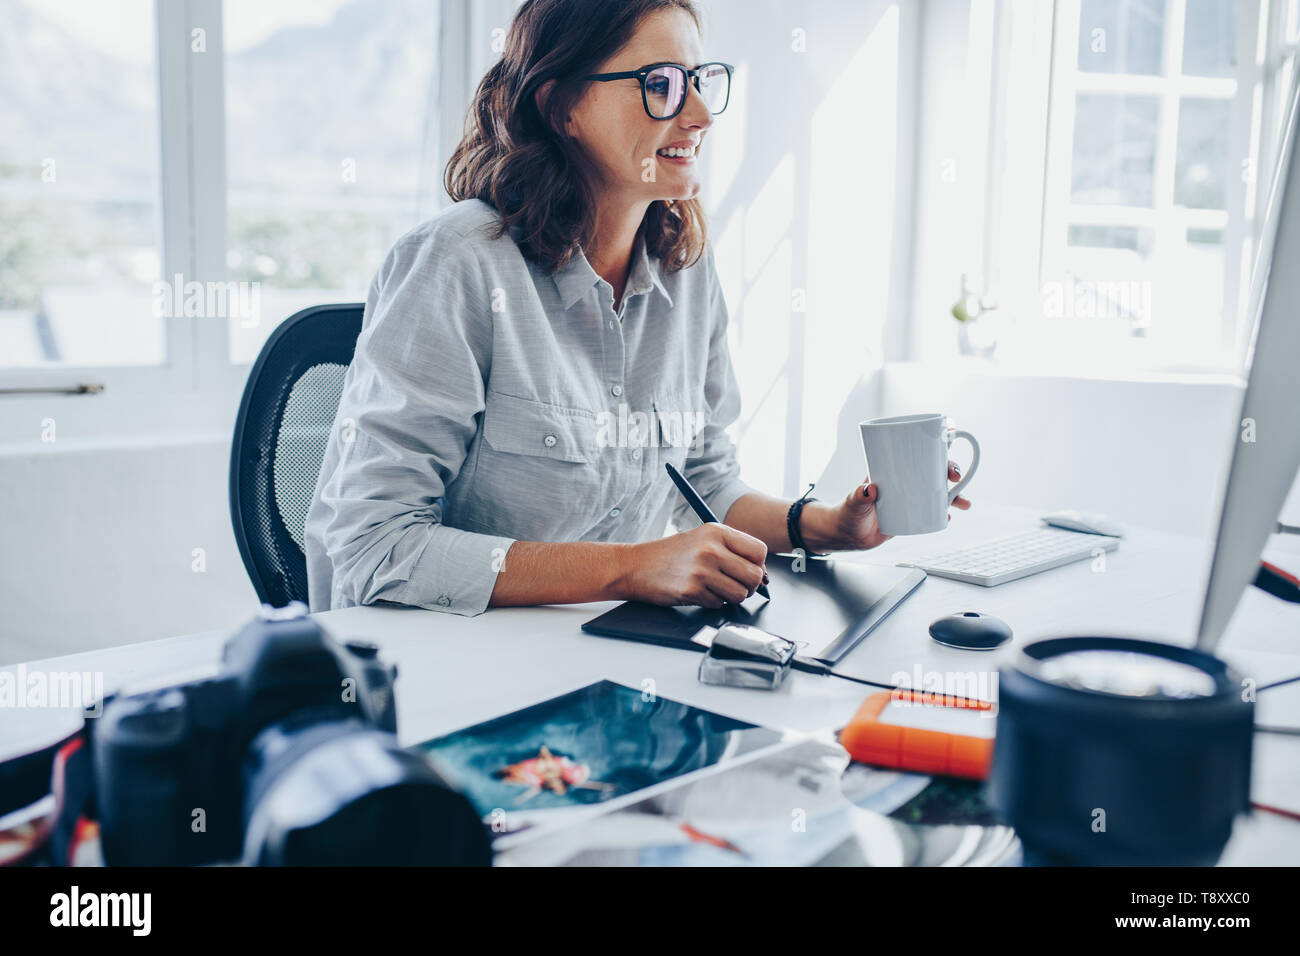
{"x": 519, "y": 426}
{"x": 538, "y": 475}
{"x": 677, "y": 423}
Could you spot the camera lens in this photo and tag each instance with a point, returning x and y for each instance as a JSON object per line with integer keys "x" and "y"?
{"x": 338, "y": 792}
{"x": 1114, "y": 751}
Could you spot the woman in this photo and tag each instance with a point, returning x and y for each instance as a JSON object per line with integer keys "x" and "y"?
{"x": 534, "y": 354}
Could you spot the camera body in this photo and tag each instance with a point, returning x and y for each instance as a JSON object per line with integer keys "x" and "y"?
{"x": 288, "y": 755}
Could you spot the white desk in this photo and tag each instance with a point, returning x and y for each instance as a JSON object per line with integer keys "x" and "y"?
{"x": 455, "y": 671}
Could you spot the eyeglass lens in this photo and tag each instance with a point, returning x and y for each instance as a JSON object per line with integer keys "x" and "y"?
{"x": 665, "y": 87}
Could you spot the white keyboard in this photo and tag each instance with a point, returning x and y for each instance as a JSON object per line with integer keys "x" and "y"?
{"x": 1018, "y": 556}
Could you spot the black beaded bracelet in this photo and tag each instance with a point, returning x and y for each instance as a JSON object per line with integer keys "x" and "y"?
{"x": 792, "y": 523}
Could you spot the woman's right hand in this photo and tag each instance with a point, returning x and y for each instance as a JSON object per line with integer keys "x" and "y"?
{"x": 708, "y": 566}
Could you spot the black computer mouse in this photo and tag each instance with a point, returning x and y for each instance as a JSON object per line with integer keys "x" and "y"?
{"x": 971, "y": 631}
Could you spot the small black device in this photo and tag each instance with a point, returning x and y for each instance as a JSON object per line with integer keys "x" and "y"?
{"x": 971, "y": 631}
{"x": 287, "y": 756}
{"x": 1116, "y": 751}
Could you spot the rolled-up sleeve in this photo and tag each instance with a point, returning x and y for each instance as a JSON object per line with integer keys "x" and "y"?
{"x": 711, "y": 463}
{"x": 411, "y": 404}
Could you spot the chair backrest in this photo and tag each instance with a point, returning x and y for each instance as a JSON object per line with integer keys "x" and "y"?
{"x": 284, "y": 421}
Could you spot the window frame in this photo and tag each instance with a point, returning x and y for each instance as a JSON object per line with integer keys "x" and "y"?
{"x": 1038, "y": 107}
{"x": 1165, "y": 217}
{"x": 176, "y": 371}
{"x": 198, "y": 376}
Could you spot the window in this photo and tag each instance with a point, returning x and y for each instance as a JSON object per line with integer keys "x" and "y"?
{"x": 301, "y": 138}
{"x": 323, "y": 176}
{"x": 1147, "y": 173}
{"x": 80, "y": 240}
{"x": 1158, "y": 132}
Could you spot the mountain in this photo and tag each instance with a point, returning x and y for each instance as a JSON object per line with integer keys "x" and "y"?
{"x": 362, "y": 86}
{"x": 94, "y": 114}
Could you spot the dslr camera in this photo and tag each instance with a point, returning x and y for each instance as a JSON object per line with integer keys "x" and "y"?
{"x": 288, "y": 756}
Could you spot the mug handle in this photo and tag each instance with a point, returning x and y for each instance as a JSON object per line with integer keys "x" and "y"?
{"x": 974, "y": 462}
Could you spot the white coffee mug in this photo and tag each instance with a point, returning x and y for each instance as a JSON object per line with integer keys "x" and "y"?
{"x": 907, "y": 459}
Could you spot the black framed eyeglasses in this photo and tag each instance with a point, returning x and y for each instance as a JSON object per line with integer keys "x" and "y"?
{"x": 663, "y": 86}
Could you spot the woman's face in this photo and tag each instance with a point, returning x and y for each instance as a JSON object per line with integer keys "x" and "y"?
{"x": 611, "y": 123}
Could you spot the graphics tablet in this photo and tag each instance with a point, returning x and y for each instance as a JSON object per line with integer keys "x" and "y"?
{"x": 828, "y": 607}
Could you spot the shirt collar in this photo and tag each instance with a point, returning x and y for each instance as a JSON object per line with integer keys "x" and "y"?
{"x": 575, "y": 278}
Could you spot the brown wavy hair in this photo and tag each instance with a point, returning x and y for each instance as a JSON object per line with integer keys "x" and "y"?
{"x": 517, "y": 158}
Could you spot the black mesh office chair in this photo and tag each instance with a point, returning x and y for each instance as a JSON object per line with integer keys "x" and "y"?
{"x": 283, "y": 425}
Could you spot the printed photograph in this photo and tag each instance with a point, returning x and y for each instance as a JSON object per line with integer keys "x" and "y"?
{"x": 587, "y": 747}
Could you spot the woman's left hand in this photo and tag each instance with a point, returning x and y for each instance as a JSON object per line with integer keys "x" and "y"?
{"x": 851, "y": 525}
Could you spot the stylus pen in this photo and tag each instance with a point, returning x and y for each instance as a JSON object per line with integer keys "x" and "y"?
{"x": 701, "y": 510}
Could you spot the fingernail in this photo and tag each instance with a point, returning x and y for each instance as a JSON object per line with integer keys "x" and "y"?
{"x": 766, "y": 579}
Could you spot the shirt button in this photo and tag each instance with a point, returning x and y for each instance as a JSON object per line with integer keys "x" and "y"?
{"x": 549, "y": 441}
{"x": 614, "y": 512}
{"x": 636, "y": 455}
{"x": 617, "y": 390}
{"x": 444, "y": 601}
{"x": 611, "y": 326}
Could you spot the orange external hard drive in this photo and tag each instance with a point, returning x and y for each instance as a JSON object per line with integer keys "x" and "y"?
{"x": 923, "y": 733}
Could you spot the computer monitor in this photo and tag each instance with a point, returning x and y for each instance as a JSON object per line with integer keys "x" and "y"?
{"x": 1266, "y": 437}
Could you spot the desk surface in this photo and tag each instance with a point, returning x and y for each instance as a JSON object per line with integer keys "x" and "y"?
{"x": 455, "y": 671}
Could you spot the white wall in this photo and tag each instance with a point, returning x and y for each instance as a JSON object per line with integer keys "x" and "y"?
{"x": 1148, "y": 453}
{"x": 1151, "y": 453}
{"x": 808, "y": 178}
{"x": 951, "y": 169}
{"x": 100, "y": 539}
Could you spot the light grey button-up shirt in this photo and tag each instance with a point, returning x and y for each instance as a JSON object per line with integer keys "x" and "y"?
{"x": 489, "y": 402}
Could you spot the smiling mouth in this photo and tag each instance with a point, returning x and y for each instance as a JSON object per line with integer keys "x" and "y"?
{"x": 678, "y": 153}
